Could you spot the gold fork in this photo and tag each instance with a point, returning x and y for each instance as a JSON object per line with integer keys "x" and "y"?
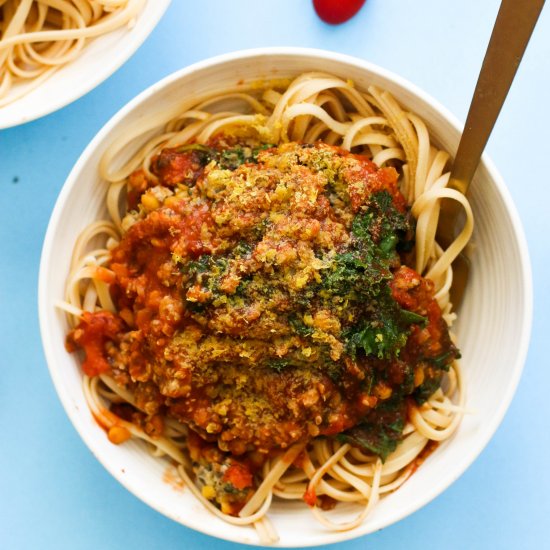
{"x": 514, "y": 25}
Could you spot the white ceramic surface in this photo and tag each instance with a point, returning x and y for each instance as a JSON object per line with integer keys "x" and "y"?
{"x": 493, "y": 328}
{"x": 99, "y": 59}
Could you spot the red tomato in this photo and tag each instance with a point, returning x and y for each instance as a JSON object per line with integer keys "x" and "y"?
{"x": 337, "y": 11}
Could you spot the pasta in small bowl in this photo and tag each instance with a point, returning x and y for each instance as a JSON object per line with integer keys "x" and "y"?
{"x": 52, "y": 53}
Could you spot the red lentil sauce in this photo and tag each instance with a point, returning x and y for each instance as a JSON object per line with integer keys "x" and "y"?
{"x": 262, "y": 301}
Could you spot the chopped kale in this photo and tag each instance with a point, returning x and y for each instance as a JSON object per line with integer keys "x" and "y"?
{"x": 381, "y": 337}
{"x": 370, "y": 381}
{"x": 385, "y": 333}
{"x": 242, "y": 250}
{"x": 299, "y": 327}
{"x": 382, "y": 225}
{"x": 205, "y": 266}
{"x": 230, "y": 159}
{"x": 305, "y": 297}
{"x": 355, "y": 276}
{"x": 243, "y": 287}
{"x": 361, "y": 275}
{"x": 379, "y": 440}
{"x": 278, "y": 364}
{"x": 259, "y": 230}
{"x": 406, "y": 387}
{"x": 409, "y": 317}
{"x": 433, "y": 374}
{"x": 207, "y": 271}
{"x": 230, "y": 489}
{"x": 334, "y": 371}
{"x": 445, "y": 360}
{"x": 381, "y": 431}
{"x": 427, "y": 388}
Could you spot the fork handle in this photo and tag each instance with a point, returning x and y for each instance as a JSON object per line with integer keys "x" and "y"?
{"x": 514, "y": 25}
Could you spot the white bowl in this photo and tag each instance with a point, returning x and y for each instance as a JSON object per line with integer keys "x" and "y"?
{"x": 493, "y": 327}
{"x": 99, "y": 59}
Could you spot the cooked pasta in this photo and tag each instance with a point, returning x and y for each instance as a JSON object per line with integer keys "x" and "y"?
{"x": 286, "y": 209}
{"x": 37, "y": 37}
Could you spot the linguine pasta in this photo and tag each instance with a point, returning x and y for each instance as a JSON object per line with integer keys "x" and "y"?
{"x": 37, "y": 37}
{"x": 312, "y": 107}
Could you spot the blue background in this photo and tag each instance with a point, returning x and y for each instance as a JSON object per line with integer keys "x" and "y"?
{"x": 53, "y": 493}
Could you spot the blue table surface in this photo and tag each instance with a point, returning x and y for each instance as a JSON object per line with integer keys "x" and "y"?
{"x": 53, "y": 493}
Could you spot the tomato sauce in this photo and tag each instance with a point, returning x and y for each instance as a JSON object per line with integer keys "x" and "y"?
{"x": 263, "y": 302}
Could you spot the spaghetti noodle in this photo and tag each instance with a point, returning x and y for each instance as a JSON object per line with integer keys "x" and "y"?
{"x": 280, "y": 118}
{"x": 37, "y": 37}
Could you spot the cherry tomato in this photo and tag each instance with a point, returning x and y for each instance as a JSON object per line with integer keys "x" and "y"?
{"x": 337, "y": 11}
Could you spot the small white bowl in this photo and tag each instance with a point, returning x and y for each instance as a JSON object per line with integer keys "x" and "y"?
{"x": 493, "y": 327}
{"x": 99, "y": 59}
